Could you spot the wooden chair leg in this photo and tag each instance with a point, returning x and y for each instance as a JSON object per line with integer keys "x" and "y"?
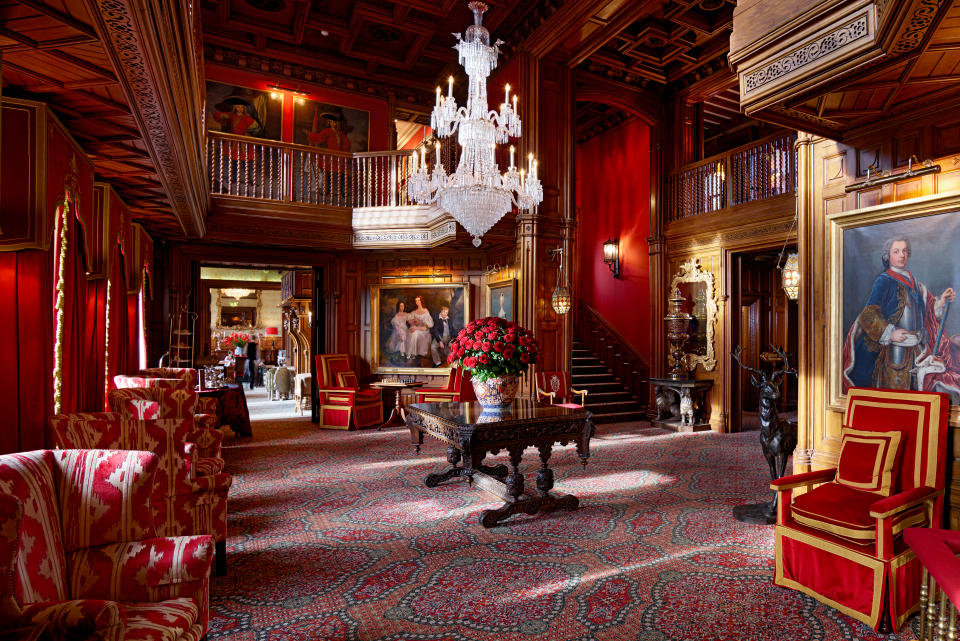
{"x": 220, "y": 550}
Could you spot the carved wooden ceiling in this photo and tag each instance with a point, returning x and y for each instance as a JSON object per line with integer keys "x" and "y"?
{"x": 51, "y": 52}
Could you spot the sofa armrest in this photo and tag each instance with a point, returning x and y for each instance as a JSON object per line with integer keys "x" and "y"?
{"x": 206, "y": 421}
{"x": 804, "y": 479}
{"x": 890, "y": 505}
{"x": 140, "y": 570}
{"x": 94, "y": 619}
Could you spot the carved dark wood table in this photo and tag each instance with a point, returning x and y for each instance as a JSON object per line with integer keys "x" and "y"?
{"x": 397, "y": 415}
{"x": 471, "y": 434}
{"x": 687, "y": 414}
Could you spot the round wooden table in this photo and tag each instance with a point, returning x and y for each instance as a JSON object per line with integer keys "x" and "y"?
{"x": 398, "y": 417}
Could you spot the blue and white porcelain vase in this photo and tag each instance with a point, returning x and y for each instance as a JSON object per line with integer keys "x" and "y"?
{"x": 496, "y": 393}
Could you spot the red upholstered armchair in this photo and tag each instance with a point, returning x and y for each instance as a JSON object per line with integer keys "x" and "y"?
{"x": 182, "y": 504}
{"x": 559, "y": 386}
{"x": 86, "y": 559}
{"x": 343, "y": 403}
{"x": 458, "y": 389}
{"x": 841, "y": 542}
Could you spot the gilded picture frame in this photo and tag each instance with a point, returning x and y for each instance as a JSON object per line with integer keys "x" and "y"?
{"x": 929, "y": 227}
{"x": 258, "y": 314}
{"x": 699, "y": 289}
{"x": 406, "y": 344}
{"x": 502, "y": 299}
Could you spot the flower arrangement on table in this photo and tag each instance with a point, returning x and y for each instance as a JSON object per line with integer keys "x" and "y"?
{"x": 235, "y": 340}
{"x": 495, "y": 352}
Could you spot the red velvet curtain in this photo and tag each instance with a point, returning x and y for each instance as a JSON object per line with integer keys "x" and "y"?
{"x": 96, "y": 336}
{"x": 121, "y": 356}
{"x": 26, "y": 342}
{"x": 133, "y": 331}
{"x": 74, "y": 346}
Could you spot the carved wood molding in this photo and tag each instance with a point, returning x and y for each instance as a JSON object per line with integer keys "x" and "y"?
{"x": 152, "y": 46}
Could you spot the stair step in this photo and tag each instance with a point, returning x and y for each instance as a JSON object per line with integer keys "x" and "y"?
{"x": 600, "y": 386}
{"x": 583, "y": 370}
{"x": 608, "y": 397}
{"x": 593, "y": 376}
{"x": 614, "y": 406}
{"x": 618, "y": 417}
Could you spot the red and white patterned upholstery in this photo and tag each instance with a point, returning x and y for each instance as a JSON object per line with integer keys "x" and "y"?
{"x": 345, "y": 406}
{"x": 88, "y": 561}
{"x": 188, "y": 374}
{"x": 559, "y": 386}
{"x": 175, "y": 400}
{"x": 458, "y": 389}
{"x": 842, "y": 543}
{"x": 181, "y": 504}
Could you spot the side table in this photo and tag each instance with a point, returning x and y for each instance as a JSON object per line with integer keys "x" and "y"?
{"x": 398, "y": 417}
{"x": 687, "y": 413}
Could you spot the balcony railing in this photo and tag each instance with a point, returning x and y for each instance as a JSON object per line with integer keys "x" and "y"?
{"x": 292, "y": 173}
{"x": 747, "y": 174}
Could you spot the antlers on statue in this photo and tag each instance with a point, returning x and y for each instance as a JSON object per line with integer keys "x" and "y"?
{"x": 775, "y": 375}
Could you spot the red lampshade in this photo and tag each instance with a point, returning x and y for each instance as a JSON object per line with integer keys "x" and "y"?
{"x": 272, "y": 331}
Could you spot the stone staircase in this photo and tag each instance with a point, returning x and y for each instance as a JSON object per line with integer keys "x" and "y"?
{"x": 607, "y": 399}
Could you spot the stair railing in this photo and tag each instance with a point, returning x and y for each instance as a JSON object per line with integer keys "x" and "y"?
{"x": 595, "y": 333}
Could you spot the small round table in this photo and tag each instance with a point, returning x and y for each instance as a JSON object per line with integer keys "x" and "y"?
{"x": 398, "y": 417}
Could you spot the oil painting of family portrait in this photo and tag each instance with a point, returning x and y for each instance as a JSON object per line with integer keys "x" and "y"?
{"x": 900, "y": 320}
{"x": 413, "y": 325}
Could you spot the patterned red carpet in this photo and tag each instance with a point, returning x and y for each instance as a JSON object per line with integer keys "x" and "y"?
{"x": 333, "y": 536}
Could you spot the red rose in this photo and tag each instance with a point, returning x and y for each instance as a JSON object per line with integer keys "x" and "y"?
{"x": 478, "y": 335}
{"x": 498, "y": 346}
{"x": 470, "y": 361}
{"x": 486, "y": 346}
{"x": 524, "y": 358}
{"x": 452, "y": 357}
{"x": 483, "y": 358}
{"x": 509, "y": 351}
{"x": 460, "y": 352}
{"x": 510, "y": 338}
{"x": 491, "y": 336}
{"x": 477, "y": 345}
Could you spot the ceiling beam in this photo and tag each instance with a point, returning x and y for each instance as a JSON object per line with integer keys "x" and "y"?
{"x": 626, "y": 15}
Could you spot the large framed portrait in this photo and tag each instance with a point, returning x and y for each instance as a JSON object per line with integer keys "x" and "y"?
{"x": 412, "y": 326}
{"x": 243, "y": 111}
{"x": 894, "y": 321}
{"x": 319, "y": 124}
{"x": 502, "y": 299}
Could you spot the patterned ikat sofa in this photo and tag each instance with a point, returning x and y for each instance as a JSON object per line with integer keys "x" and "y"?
{"x": 183, "y": 503}
{"x": 79, "y": 552}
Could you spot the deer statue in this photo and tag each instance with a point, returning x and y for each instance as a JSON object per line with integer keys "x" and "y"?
{"x": 778, "y": 437}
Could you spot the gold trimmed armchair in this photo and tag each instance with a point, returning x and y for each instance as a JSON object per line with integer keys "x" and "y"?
{"x": 343, "y": 403}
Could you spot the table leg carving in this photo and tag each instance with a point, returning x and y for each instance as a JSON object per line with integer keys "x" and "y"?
{"x": 583, "y": 444}
{"x": 453, "y": 457}
{"x": 515, "y": 478}
{"x": 416, "y": 436}
{"x": 544, "y": 474}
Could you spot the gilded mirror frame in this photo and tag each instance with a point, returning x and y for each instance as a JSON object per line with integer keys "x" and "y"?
{"x": 257, "y": 325}
{"x": 692, "y": 272}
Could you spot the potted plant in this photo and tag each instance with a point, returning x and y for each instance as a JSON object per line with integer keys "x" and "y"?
{"x": 495, "y": 352}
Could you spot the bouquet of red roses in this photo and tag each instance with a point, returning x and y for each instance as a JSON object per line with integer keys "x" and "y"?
{"x": 491, "y": 347}
{"x": 234, "y": 340}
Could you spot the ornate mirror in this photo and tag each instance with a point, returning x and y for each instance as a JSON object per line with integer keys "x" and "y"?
{"x": 238, "y": 309}
{"x": 700, "y": 301}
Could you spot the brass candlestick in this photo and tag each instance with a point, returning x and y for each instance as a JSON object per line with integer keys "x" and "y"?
{"x": 678, "y": 326}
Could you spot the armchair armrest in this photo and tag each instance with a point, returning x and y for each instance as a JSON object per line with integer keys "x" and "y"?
{"x": 890, "y": 505}
{"x": 583, "y": 395}
{"x": 140, "y": 570}
{"x": 78, "y": 619}
{"x": 540, "y": 393}
{"x": 803, "y": 480}
{"x": 338, "y": 390}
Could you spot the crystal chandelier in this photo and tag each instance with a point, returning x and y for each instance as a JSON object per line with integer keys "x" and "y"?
{"x": 477, "y": 195}
{"x": 236, "y": 292}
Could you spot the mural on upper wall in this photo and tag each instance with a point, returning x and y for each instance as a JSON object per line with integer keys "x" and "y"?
{"x": 327, "y": 126}
{"x": 898, "y": 282}
{"x": 243, "y": 111}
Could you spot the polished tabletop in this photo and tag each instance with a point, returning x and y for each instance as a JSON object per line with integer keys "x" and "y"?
{"x": 521, "y": 410}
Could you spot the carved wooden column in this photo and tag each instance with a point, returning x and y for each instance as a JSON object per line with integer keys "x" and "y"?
{"x": 809, "y": 423}
{"x": 658, "y": 277}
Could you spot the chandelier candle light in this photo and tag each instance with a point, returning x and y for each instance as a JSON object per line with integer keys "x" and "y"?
{"x": 477, "y": 195}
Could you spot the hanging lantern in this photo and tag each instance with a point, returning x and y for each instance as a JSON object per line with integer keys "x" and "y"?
{"x": 561, "y": 299}
{"x": 791, "y": 276}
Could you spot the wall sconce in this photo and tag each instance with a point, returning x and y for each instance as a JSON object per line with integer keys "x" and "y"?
{"x": 561, "y": 299}
{"x": 611, "y": 256}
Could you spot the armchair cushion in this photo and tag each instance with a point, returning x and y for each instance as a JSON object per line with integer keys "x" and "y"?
{"x": 162, "y": 621}
{"x": 11, "y": 515}
{"x": 348, "y": 379}
{"x": 867, "y": 460}
{"x": 140, "y": 409}
{"x": 845, "y": 513}
{"x": 93, "y": 619}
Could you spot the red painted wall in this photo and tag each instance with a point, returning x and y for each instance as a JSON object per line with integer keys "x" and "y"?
{"x": 377, "y": 107}
{"x": 613, "y": 197}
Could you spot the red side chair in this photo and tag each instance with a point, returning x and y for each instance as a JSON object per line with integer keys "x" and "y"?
{"x": 559, "y": 386}
{"x": 841, "y": 542}
{"x": 938, "y": 551}
{"x": 343, "y": 403}
{"x": 458, "y": 389}
{"x": 183, "y": 504}
{"x": 88, "y": 561}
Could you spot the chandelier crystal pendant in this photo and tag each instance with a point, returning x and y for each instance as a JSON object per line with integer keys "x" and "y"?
{"x": 477, "y": 195}
{"x": 237, "y": 292}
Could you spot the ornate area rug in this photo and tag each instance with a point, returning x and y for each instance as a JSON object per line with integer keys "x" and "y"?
{"x": 333, "y": 536}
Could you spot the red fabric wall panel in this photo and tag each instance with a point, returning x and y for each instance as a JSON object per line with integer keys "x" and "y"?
{"x": 94, "y": 345}
{"x": 26, "y": 381}
{"x": 73, "y": 344}
{"x": 613, "y": 196}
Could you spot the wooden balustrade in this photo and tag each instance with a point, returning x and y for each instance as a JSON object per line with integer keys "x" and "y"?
{"x": 754, "y": 172}
{"x": 299, "y": 174}
{"x": 613, "y": 350}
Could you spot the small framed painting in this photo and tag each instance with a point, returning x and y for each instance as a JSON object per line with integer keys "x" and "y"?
{"x": 502, "y": 299}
